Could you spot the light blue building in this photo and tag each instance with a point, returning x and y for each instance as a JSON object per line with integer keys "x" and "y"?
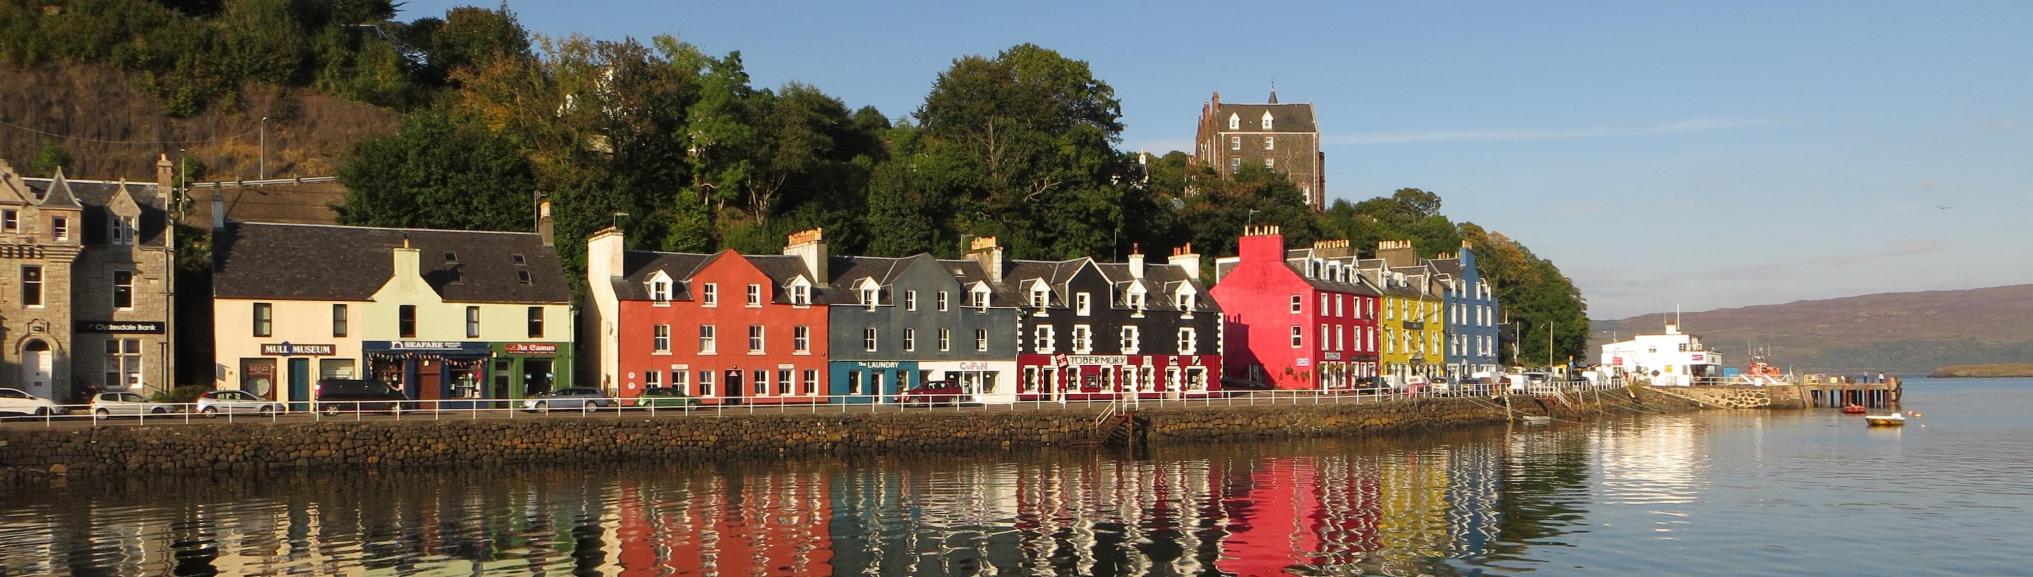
{"x": 1472, "y": 313}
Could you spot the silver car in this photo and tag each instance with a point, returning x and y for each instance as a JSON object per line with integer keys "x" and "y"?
{"x": 212, "y": 403}
{"x": 19, "y": 402}
{"x": 576, "y": 398}
{"x": 108, "y": 405}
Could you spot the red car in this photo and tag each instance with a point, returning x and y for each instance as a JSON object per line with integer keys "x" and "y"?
{"x": 933, "y": 393}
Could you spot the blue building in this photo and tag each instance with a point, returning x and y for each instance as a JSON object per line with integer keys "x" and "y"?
{"x": 1472, "y": 313}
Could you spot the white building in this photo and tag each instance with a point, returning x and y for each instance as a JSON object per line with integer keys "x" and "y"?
{"x": 1674, "y": 358}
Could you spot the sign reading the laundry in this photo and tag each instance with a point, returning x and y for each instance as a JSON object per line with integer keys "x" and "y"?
{"x": 121, "y": 327}
{"x": 877, "y": 364}
{"x": 293, "y": 349}
{"x": 530, "y": 348}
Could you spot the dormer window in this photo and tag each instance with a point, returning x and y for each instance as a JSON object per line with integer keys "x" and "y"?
{"x": 660, "y": 290}
{"x": 801, "y": 295}
{"x": 1039, "y": 296}
{"x": 980, "y": 297}
{"x": 869, "y": 294}
{"x": 451, "y": 257}
{"x": 1267, "y": 120}
{"x": 1184, "y": 302}
{"x": 1135, "y": 300}
{"x": 120, "y": 229}
{"x": 1234, "y": 121}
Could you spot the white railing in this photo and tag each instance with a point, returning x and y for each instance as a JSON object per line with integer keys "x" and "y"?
{"x": 150, "y": 414}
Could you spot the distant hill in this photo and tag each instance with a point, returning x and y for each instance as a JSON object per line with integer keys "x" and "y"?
{"x": 1910, "y": 333}
{"x": 1996, "y": 370}
{"x": 113, "y": 129}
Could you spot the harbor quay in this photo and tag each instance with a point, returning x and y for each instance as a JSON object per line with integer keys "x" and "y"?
{"x": 707, "y": 436}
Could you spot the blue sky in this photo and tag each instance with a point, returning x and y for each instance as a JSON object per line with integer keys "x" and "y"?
{"x": 1704, "y": 154}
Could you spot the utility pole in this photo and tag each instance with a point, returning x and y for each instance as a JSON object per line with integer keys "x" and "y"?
{"x": 264, "y": 149}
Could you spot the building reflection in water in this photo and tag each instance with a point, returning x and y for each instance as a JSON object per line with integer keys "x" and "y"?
{"x": 1431, "y": 506}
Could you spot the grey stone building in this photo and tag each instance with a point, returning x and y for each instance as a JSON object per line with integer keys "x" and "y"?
{"x": 88, "y": 265}
{"x": 896, "y": 323}
{"x": 1281, "y": 137}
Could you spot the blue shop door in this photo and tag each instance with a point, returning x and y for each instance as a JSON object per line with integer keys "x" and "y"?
{"x": 299, "y": 384}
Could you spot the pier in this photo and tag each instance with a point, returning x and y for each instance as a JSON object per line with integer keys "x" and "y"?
{"x": 1836, "y": 395}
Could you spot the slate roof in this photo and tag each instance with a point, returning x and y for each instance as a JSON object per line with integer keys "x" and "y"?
{"x": 968, "y": 272}
{"x": 1448, "y": 266}
{"x": 327, "y": 262}
{"x": 96, "y": 195}
{"x": 637, "y": 266}
{"x": 1284, "y": 117}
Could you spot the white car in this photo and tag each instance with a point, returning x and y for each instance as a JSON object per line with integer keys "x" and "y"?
{"x": 108, "y": 405}
{"x": 19, "y": 402}
{"x": 212, "y": 403}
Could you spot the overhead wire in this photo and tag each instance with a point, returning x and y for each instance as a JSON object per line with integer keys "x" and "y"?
{"x": 68, "y": 137}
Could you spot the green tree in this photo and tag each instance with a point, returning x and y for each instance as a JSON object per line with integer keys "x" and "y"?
{"x": 438, "y": 172}
{"x": 1533, "y": 295}
{"x": 51, "y": 157}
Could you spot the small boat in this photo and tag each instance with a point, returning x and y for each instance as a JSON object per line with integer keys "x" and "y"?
{"x": 1892, "y": 420}
{"x": 1854, "y": 409}
{"x": 1538, "y": 420}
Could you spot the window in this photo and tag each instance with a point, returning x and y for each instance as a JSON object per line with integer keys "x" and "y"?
{"x": 1187, "y": 341}
{"x": 1267, "y": 120}
{"x": 31, "y": 286}
{"x": 910, "y": 339}
{"x": 536, "y": 322}
{"x": 1135, "y": 300}
{"x": 1323, "y": 304}
{"x": 869, "y": 294}
{"x": 709, "y": 295}
{"x": 1324, "y": 341}
{"x": 10, "y": 221}
{"x": 1298, "y": 336}
{"x": 405, "y": 322}
{"x": 522, "y": 276}
{"x": 784, "y": 381}
{"x": 868, "y": 341}
{"x": 1039, "y": 296}
{"x": 1184, "y": 301}
{"x": 1129, "y": 340}
{"x": 1338, "y": 301}
{"x": 264, "y": 319}
{"x": 801, "y": 295}
{"x": 1082, "y": 304}
{"x": 123, "y": 289}
{"x": 121, "y": 229}
{"x": 754, "y": 295}
{"x": 681, "y": 380}
{"x": 1234, "y": 121}
{"x": 709, "y": 342}
{"x": 472, "y": 322}
{"x": 1340, "y": 342}
{"x": 980, "y": 298}
{"x": 1235, "y": 143}
{"x": 801, "y": 339}
{"x": 944, "y": 301}
{"x": 338, "y": 320}
{"x": 945, "y": 339}
{"x": 911, "y": 300}
{"x": 981, "y": 340}
{"x": 660, "y": 339}
{"x": 517, "y": 259}
{"x": 1042, "y": 340}
{"x": 1234, "y": 165}
{"x": 660, "y": 291}
{"x": 1270, "y": 163}
{"x": 1297, "y": 304}
{"x": 652, "y": 379}
{"x": 755, "y": 340}
{"x": 759, "y": 382}
{"x": 854, "y": 383}
{"x": 706, "y": 382}
{"x": 1270, "y": 143}
{"x": 1083, "y": 340}
{"x": 123, "y": 363}
{"x": 60, "y": 227}
{"x": 811, "y": 382}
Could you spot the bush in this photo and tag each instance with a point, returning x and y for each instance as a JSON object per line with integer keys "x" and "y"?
{"x": 183, "y": 394}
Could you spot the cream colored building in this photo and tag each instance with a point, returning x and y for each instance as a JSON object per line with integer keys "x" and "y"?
{"x": 442, "y": 315}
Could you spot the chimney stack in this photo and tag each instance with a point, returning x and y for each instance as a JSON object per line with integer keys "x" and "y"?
{"x": 985, "y": 251}
{"x": 544, "y": 224}
{"x": 1262, "y": 244}
{"x": 1397, "y": 253}
{"x": 1185, "y": 258}
{"x": 218, "y": 208}
{"x": 604, "y": 255}
{"x": 165, "y": 179}
{"x": 1136, "y": 260}
{"x": 810, "y": 247}
{"x": 408, "y": 261}
{"x": 1332, "y": 249}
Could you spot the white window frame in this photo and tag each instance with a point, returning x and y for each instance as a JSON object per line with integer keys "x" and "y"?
{"x": 1189, "y": 340}
{"x": 910, "y": 300}
{"x": 981, "y": 340}
{"x": 660, "y": 292}
{"x": 1234, "y": 121}
{"x": 910, "y": 340}
{"x": 1083, "y": 304}
{"x": 660, "y": 339}
{"x": 117, "y": 288}
{"x": 870, "y": 339}
{"x": 709, "y": 339}
{"x": 1083, "y": 339}
{"x": 801, "y": 339}
{"x": 1298, "y": 336}
{"x": 709, "y": 295}
{"x": 1298, "y": 304}
{"x": 1270, "y": 143}
{"x": 945, "y": 301}
{"x": 754, "y": 295}
{"x": 1130, "y": 340}
{"x": 758, "y": 340}
{"x": 1044, "y": 342}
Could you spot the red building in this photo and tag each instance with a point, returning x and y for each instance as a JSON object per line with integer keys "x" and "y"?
{"x": 1301, "y": 319}
{"x": 724, "y": 328}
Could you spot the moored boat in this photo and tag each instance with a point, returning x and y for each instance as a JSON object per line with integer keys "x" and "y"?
{"x": 1854, "y": 409}
{"x": 1892, "y": 420}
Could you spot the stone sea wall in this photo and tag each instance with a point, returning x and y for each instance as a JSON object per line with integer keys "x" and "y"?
{"x": 1775, "y": 397}
{"x": 130, "y": 449}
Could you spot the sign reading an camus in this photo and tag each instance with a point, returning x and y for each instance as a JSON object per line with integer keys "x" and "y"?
{"x": 530, "y": 348}
{"x": 121, "y": 327}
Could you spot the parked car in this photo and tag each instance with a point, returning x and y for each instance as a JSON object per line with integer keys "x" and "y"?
{"x": 577, "y": 398}
{"x": 19, "y": 402}
{"x": 933, "y": 393}
{"x": 109, "y": 405}
{"x": 336, "y": 396}
{"x": 212, "y": 403}
{"x": 1371, "y": 385}
{"x": 1441, "y": 387}
{"x": 664, "y": 398}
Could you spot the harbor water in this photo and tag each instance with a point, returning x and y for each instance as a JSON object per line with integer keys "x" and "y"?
{"x": 1710, "y": 493}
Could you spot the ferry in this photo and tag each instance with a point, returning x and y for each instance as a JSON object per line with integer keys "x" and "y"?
{"x": 1674, "y": 359}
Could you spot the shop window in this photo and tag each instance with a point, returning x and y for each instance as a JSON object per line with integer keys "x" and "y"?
{"x": 123, "y": 364}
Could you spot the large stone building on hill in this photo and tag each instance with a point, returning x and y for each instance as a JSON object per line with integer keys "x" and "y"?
{"x": 1281, "y": 137}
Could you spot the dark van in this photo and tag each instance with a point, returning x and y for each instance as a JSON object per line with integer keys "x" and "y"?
{"x": 337, "y": 396}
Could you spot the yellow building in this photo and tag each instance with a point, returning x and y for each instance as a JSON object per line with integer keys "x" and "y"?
{"x": 440, "y": 315}
{"x": 1411, "y": 331}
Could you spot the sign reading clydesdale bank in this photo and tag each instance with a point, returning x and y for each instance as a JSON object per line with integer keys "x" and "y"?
{"x": 121, "y": 327}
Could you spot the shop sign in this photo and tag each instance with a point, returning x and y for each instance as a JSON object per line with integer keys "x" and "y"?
{"x": 530, "y": 348}
{"x": 974, "y": 366}
{"x": 1330, "y": 356}
{"x": 1305, "y": 361}
{"x": 121, "y": 327}
{"x": 286, "y": 349}
{"x": 1698, "y": 357}
{"x": 877, "y": 364}
{"x": 1414, "y": 325}
{"x": 426, "y": 346}
{"x": 1097, "y": 360}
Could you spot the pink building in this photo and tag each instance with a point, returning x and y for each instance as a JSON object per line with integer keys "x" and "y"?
{"x": 1300, "y": 319}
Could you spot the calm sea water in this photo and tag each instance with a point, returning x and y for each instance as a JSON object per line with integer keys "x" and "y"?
{"x": 1717, "y": 493}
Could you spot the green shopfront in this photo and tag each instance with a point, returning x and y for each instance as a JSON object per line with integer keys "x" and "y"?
{"x": 527, "y": 369}
{"x": 458, "y": 372}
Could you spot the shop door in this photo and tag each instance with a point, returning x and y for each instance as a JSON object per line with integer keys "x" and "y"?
{"x": 733, "y": 387}
{"x": 38, "y": 369}
{"x": 299, "y": 384}
{"x": 502, "y": 370}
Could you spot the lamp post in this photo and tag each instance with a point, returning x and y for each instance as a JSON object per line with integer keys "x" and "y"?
{"x": 263, "y": 171}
